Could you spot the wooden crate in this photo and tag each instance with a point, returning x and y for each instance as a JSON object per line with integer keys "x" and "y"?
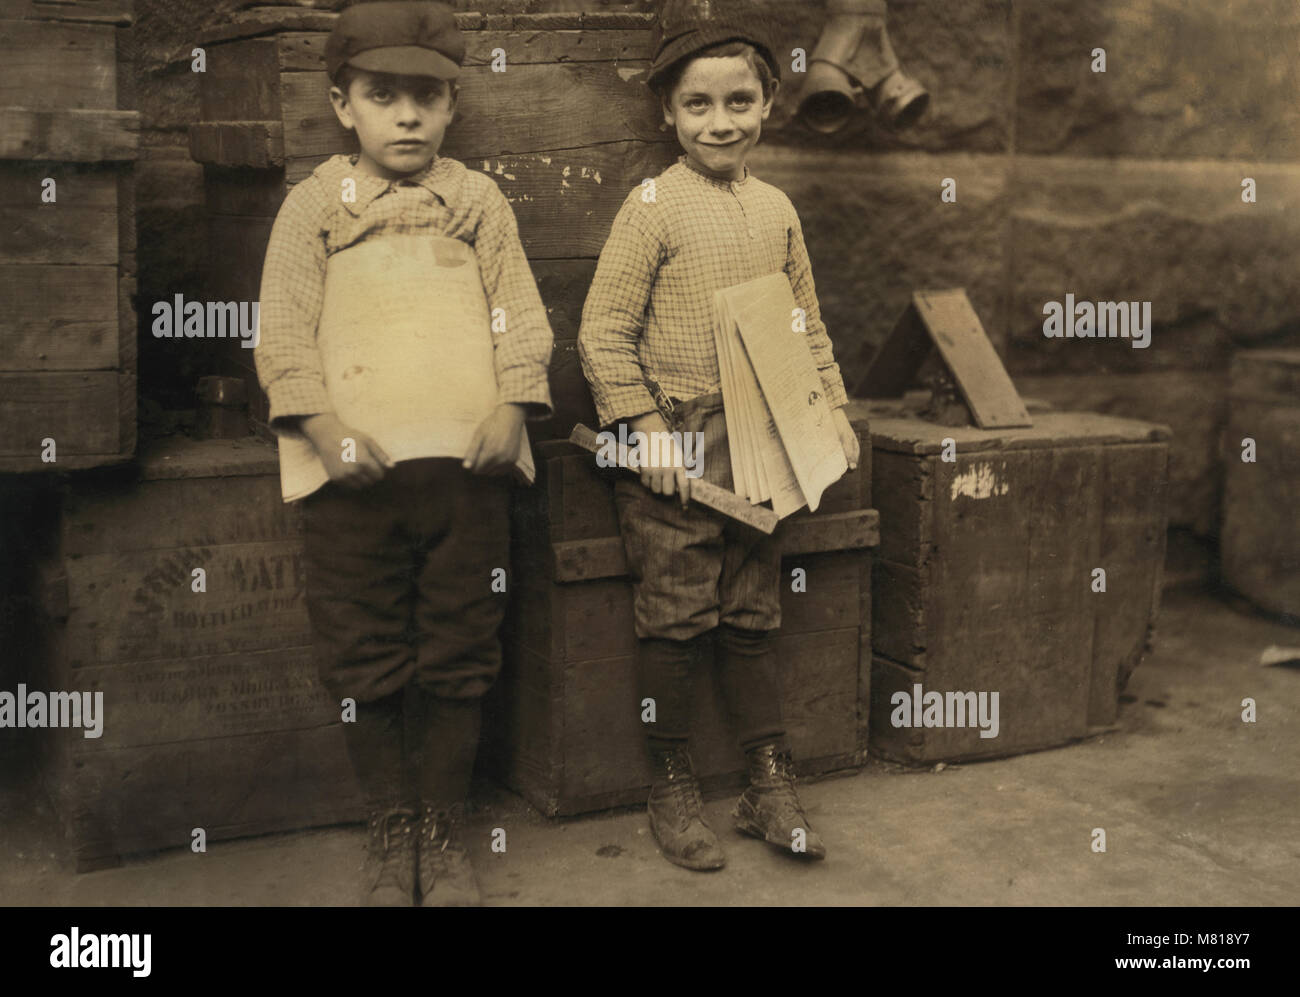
{"x": 566, "y": 132}
{"x": 983, "y": 580}
{"x": 214, "y": 716}
{"x": 563, "y": 724}
{"x": 67, "y": 268}
{"x": 1260, "y": 544}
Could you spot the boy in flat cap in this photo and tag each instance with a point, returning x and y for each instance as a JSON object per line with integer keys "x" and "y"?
{"x": 647, "y": 348}
{"x": 402, "y": 548}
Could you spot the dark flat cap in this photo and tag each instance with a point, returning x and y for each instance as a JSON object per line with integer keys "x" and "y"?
{"x": 689, "y": 26}
{"x": 407, "y": 38}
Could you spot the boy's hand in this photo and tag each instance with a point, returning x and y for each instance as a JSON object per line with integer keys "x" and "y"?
{"x": 494, "y": 447}
{"x": 661, "y": 480}
{"x": 327, "y": 433}
{"x": 848, "y": 438}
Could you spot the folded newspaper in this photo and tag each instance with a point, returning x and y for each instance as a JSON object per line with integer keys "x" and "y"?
{"x": 784, "y": 446}
{"x": 405, "y": 341}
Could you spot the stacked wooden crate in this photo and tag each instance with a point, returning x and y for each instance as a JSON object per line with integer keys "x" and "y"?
{"x": 986, "y": 579}
{"x": 566, "y": 723}
{"x": 566, "y": 130}
{"x": 213, "y": 715}
{"x": 1261, "y": 453}
{"x": 67, "y": 235}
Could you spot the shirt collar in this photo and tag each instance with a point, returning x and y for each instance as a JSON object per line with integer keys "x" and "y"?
{"x": 436, "y": 178}
{"x": 686, "y": 161}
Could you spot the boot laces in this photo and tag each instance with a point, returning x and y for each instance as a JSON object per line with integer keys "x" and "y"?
{"x": 390, "y": 836}
{"x": 440, "y": 829}
{"x": 685, "y": 789}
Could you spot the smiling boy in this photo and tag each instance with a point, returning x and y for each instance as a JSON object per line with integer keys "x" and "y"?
{"x": 401, "y": 556}
{"x": 647, "y": 348}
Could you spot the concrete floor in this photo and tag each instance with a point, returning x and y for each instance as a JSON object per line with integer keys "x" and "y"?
{"x": 1199, "y": 808}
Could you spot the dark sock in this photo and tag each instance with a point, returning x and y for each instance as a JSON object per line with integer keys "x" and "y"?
{"x": 665, "y": 674}
{"x": 751, "y": 685}
{"x": 442, "y": 738}
{"x": 374, "y": 744}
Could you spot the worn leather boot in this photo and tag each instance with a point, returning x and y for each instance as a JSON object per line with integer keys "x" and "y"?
{"x": 388, "y": 875}
{"x": 446, "y": 876}
{"x": 677, "y": 813}
{"x": 770, "y": 809}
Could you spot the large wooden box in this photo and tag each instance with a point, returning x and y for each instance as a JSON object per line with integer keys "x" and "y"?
{"x": 1261, "y": 500}
{"x": 986, "y": 574}
{"x": 214, "y": 717}
{"x": 566, "y": 130}
{"x": 564, "y": 727}
{"x": 67, "y": 265}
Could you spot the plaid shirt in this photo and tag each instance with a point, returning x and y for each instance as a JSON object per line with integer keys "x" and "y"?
{"x": 650, "y": 308}
{"x": 444, "y": 199}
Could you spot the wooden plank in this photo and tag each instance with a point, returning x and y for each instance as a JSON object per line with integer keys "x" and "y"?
{"x": 258, "y": 144}
{"x": 604, "y": 557}
{"x": 237, "y": 251}
{"x": 259, "y": 21}
{"x": 241, "y": 82}
{"x": 139, "y": 605}
{"x": 80, "y": 227}
{"x": 152, "y": 797}
{"x": 58, "y": 317}
{"x": 127, "y": 515}
{"x": 115, "y": 12}
{"x": 1132, "y": 552}
{"x": 1019, "y": 538}
{"x": 523, "y": 716}
{"x": 594, "y": 619}
{"x": 1266, "y": 377}
{"x": 911, "y": 435}
{"x": 196, "y": 698}
{"x": 719, "y": 499}
{"x": 975, "y": 365}
{"x": 1260, "y": 540}
{"x": 900, "y": 611}
{"x": 528, "y": 109}
{"x": 565, "y": 202}
{"x": 69, "y": 136}
{"x": 79, "y": 411}
{"x": 242, "y": 191}
{"x": 903, "y": 488}
{"x": 1023, "y": 725}
{"x": 305, "y": 50}
{"x": 47, "y": 66}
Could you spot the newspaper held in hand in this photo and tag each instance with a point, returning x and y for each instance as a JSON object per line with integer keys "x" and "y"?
{"x": 784, "y": 445}
{"x": 405, "y": 342}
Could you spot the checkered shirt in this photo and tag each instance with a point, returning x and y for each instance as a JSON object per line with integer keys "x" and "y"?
{"x": 650, "y": 308}
{"x": 445, "y": 199}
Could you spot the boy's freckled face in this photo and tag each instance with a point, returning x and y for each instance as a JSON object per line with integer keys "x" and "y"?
{"x": 718, "y": 110}
{"x": 399, "y": 120}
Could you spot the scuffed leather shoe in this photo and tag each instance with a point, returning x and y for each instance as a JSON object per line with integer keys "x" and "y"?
{"x": 446, "y": 876}
{"x": 388, "y": 874}
{"x": 677, "y": 814}
{"x": 770, "y": 808}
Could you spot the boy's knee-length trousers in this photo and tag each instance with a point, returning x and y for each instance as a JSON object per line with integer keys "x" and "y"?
{"x": 693, "y": 568}
{"x": 399, "y": 581}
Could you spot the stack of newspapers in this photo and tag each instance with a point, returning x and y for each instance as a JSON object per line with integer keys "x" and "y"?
{"x": 784, "y": 446}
